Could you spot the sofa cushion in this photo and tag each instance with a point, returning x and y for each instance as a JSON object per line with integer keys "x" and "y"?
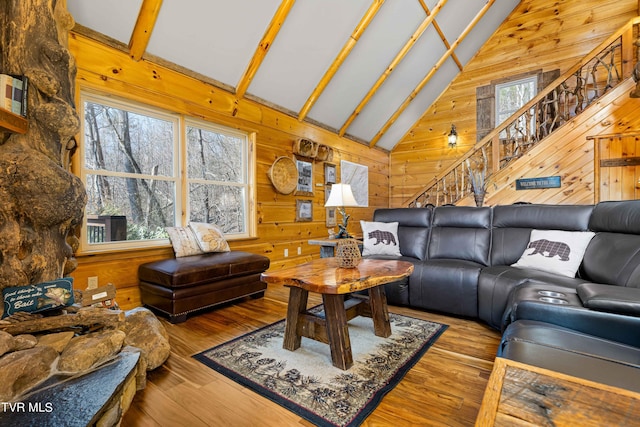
{"x": 573, "y": 353}
{"x": 610, "y": 298}
{"x": 446, "y": 285}
{"x": 613, "y": 258}
{"x": 199, "y": 269}
{"x": 461, "y": 232}
{"x": 512, "y": 225}
{"x": 413, "y": 229}
{"x": 210, "y": 237}
{"x": 380, "y": 238}
{"x": 183, "y": 240}
{"x": 496, "y": 283}
{"x": 555, "y": 251}
{"x": 616, "y": 217}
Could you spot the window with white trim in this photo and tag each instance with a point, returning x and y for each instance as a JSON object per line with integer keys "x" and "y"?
{"x": 146, "y": 169}
{"x": 511, "y": 96}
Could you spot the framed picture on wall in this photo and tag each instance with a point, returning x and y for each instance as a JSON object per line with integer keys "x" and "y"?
{"x": 329, "y": 173}
{"x": 304, "y": 210}
{"x": 358, "y": 177}
{"x": 305, "y": 178}
{"x": 330, "y": 219}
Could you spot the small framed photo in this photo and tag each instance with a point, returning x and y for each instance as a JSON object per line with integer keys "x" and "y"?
{"x": 305, "y": 178}
{"x": 304, "y": 210}
{"x": 330, "y": 219}
{"x": 329, "y": 173}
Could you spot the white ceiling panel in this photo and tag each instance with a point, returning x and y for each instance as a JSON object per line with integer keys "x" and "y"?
{"x": 307, "y": 44}
{"x": 400, "y": 84}
{"x": 419, "y": 105}
{"x": 377, "y": 47}
{"x": 219, "y": 38}
{"x": 217, "y": 41}
{"x": 114, "y": 18}
{"x": 487, "y": 26}
{"x": 456, "y": 16}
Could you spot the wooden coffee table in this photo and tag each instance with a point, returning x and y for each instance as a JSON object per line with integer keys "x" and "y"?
{"x": 324, "y": 277}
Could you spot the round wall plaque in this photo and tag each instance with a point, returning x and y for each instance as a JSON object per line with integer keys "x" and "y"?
{"x": 283, "y": 174}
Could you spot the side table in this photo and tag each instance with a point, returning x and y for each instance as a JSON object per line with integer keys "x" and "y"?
{"x": 521, "y": 394}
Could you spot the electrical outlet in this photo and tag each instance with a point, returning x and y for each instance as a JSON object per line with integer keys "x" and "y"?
{"x": 92, "y": 282}
{"x": 286, "y": 253}
{"x": 299, "y": 250}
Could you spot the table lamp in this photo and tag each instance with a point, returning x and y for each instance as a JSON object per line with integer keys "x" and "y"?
{"x": 341, "y": 196}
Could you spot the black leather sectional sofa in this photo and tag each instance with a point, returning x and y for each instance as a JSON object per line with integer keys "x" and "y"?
{"x": 587, "y": 326}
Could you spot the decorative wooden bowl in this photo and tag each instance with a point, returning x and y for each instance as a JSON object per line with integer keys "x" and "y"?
{"x": 283, "y": 174}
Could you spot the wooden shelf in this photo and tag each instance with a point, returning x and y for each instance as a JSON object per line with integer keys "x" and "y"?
{"x": 10, "y": 122}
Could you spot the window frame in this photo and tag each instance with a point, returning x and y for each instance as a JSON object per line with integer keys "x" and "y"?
{"x": 180, "y": 158}
{"x": 532, "y": 78}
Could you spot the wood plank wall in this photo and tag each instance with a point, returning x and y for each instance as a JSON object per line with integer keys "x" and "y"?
{"x": 570, "y": 154}
{"x": 538, "y": 35}
{"x": 109, "y": 69}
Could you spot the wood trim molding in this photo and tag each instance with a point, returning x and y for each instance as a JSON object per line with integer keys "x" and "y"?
{"x": 265, "y": 44}
{"x": 431, "y": 73}
{"x": 141, "y": 35}
{"x": 442, "y": 36}
{"x": 392, "y": 66}
{"x": 340, "y": 58}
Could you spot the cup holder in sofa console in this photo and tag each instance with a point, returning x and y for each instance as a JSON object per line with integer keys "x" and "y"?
{"x": 551, "y": 294}
{"x": 554, "y": 300}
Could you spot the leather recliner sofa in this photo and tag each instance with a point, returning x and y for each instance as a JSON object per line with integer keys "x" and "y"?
{"x": 586, "y": 326}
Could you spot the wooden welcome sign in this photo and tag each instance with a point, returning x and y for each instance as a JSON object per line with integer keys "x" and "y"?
{"x": 537, "y": 183}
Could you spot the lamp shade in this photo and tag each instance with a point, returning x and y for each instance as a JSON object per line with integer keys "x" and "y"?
{"x": 340, "y": 196}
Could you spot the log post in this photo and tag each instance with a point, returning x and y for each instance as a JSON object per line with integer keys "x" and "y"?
{"x": 42, "y": 201}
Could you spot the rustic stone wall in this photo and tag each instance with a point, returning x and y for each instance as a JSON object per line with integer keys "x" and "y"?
{"x": 42, "y": 202}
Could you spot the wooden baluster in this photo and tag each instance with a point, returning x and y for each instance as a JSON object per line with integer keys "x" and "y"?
{"x": 455, "y": 179}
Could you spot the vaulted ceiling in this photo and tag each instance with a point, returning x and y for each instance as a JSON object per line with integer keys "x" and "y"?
{"x": 365, "y": 69}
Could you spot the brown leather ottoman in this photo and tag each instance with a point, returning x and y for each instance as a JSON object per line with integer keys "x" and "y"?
{"x": 179, "y": 286}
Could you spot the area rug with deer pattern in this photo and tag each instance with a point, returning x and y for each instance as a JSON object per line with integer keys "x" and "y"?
{"x": 305, "y": 382}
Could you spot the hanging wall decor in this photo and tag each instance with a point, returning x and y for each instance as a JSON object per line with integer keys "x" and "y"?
{"x": 283, "y": 175}
{"x": 305, "y": 178}
{"x": 357, "y": 176}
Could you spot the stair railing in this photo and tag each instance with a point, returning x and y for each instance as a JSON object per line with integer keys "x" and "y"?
{"x": 602, "y": 69}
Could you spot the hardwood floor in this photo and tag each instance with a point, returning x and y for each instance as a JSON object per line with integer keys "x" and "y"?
{"x": 444, "y": 388}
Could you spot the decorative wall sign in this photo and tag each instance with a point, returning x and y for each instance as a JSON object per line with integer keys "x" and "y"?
{"x": 39, "y": 297}
{"x": 538, "y": 183}
{"x": 358, "y": 177}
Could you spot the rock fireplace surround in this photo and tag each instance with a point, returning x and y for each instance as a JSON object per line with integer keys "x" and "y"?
{"x": 77, "y": 368}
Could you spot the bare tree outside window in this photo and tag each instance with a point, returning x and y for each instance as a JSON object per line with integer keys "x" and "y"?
{"x": 132, "y": 172}
{"x": 217, "y": 178}
{"x": 510, "y": 97}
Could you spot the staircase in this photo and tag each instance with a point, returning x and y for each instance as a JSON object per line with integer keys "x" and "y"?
{"x": 579, "y": 89}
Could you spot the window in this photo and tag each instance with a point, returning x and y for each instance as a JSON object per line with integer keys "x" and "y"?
{"x": 134, "y": 159}
{"x": 217, "y": 177}
{"x": 510, "y": 97}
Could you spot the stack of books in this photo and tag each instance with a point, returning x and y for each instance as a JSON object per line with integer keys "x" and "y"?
{"x": 13, "y": 93}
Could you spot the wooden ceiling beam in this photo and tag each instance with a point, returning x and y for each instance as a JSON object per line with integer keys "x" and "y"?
{"x": 341, "y": 57}
{"x": 442, "y": 36}
{"x": 431, "y": 73}
{"x": 141, "y": 35}
{"x": 394, "y": 63}
{"x": 264, "y": 46}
